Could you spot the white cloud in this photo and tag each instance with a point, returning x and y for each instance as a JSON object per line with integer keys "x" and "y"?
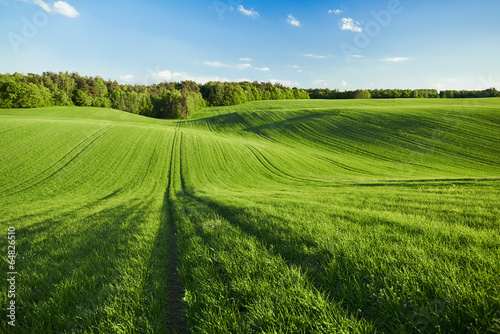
{"x": 248, "y": 12}
{"x": 295, "y": 66}
{"x": 58, "y": 7}
{"x": 344, "y": 83}
{"x": 335, "y": 11}
{"x": 357, "y": 56}
{"x": 350, "y": 24}
{"x": 293, "y": 21}
{"x": 315, "y": 56}
{"x": 42, "y": 4}
{"x": 64, "y": 8}
{"x": 127, "y": 77}
{"x": 242, "y": 66}
{"x": 264, "y": 69}
{"x": 394, "y": 60}
{"x": 246, "y": 59}
{"x": 219, "y": 64}
{"x": 214, "y": 64}
{"x": 163, "y": 75}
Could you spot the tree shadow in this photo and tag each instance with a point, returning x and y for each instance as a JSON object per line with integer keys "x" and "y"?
{"x": 231, "y": 120}
{"x": 287, "y": 123}
{"x": 72, "y": 268}
{"x": 364, "y": 292}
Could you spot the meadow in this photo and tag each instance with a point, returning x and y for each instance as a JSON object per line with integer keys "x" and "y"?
{"x": 295, "y": 216}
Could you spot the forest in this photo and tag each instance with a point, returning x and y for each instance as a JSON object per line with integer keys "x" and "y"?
{"x": 164, "y": 100}
{"x": 176, "y": 100}
{"x": 399, "y": 93}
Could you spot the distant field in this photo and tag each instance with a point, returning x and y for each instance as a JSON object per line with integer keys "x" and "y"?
{"x": 297, "y": 216}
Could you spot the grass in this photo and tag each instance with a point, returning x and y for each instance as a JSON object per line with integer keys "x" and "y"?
{"x": 356, "y": 216}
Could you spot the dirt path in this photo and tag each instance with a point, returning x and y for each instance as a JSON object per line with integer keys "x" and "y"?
{"x": 176, "y": 322}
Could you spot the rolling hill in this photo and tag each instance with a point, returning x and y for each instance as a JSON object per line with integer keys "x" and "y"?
{"x": 272, "y": 216}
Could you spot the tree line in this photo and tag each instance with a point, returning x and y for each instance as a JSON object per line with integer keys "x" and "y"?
{"x": 177, "y": 100}
{"x": 399, "y": 93}
{"x": 163, "y": 100}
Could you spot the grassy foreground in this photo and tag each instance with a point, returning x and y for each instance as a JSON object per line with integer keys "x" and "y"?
{"x": 356, "y": 216}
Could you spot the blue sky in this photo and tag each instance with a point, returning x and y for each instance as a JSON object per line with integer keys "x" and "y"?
{"x": 326, "y": 44}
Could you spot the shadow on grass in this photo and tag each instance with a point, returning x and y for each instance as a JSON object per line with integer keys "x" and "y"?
{"x": 232, "y": 120}
{"x": 168, "y": 253}
{"x": 423, "y": 135}
{"x": 83, "y": 271}
{"x": 364, "y": 292}
{"x": 288, "y": 122}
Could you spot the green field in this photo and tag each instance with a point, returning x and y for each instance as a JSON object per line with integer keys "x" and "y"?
{"x": 313, "y": 216}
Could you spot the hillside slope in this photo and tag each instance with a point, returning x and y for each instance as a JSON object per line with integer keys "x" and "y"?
{"x": 273, "y": 216}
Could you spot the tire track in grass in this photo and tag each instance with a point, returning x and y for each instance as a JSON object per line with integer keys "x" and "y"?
{"x": 219, "y": 272}
{"x": 25, "y": 141}
{"x": 175, "y": 320}
{"x": 188, "y": 204}
{"x": 422, "y": 144}
{"x": 307, "y": 151}
{"x": 154, "y": 156}
{"x": 104, "y": 131}
{"x": 129, "y": 158}
{"x": 272, "y": 169}
{"x": 334, "y": 145}
{"x": 410, "y": 181}
{"x": 280, "y": 173}
{"x": 450, "y": 121}
{"x": 318, "y": 156}
{"x": 243, "y": 306}
{"x": 326, "y": 159}
{"x": 15, "y": 127}
{"x": 266, "y": 166}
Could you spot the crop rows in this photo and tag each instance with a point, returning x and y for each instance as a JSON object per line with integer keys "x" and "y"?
{"x": 273, "y": 216}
